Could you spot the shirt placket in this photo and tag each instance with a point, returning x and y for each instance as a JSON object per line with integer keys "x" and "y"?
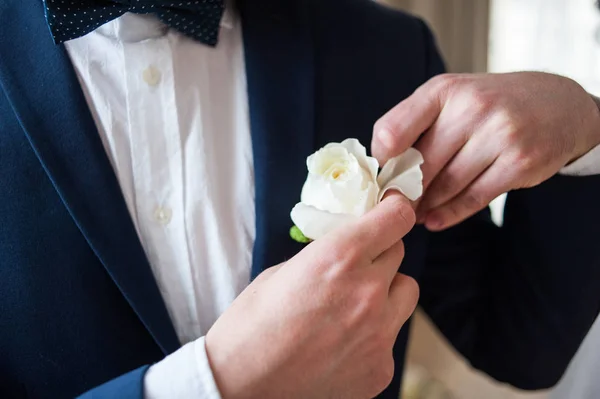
{"x": 157, "y": 168}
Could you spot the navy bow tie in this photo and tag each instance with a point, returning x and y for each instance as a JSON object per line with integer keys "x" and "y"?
{"x": 199, "y": 19}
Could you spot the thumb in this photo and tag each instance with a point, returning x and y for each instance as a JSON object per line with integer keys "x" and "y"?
{"x": 401, "y": 127}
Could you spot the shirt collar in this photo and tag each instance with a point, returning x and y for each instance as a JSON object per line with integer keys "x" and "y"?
{"x": 131, "y": 27}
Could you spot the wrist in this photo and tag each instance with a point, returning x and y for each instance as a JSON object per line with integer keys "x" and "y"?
{"x": 219, "y": 364}
{"x": 238, "y": 373}
{"x": 596, "y": 131}
{"x": 183, "y": 374}
{"x": 591, "y": 135}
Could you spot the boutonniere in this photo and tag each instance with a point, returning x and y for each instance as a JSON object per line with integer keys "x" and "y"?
{"x": 344, "y": 183}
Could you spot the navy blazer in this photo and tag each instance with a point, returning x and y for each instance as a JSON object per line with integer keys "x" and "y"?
{"x": 80, "y": 312}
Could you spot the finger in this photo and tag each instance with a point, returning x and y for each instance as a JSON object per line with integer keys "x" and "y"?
{"x": 362, "y": 241}
{"x": 470, "y": 162}
{"x": 392, "y": 192}
{"x": 384, "y": 225}
{"x": 389, "y": 262}
{"x": 403, "y": 299}
{"x": 372, "y": 234}
{"x": 439, "y": 145}
{"x": 400, "y": 127}
{"x": 496, "y": 180}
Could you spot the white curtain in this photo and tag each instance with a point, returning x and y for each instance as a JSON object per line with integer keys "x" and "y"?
{"x": 560, "y": 36}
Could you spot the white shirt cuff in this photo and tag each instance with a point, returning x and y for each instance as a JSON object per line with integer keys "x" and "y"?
{"x": 184, "y": 374}
{"x": 589, "y": 164}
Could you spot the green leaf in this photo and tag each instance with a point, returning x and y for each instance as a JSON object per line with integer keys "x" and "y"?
{"x": 297, "y": 235}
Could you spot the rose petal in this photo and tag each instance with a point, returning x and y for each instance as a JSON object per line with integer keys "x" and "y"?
{"x": 355, "y": 148}
{"x": 324, "y": 195}
{"x": 403, "y": 173}
{"x": 409, "y": 183}
{"x": 355, "y": 193}
{"x": 315, "y": 161}
{"x": 315, "y": 223}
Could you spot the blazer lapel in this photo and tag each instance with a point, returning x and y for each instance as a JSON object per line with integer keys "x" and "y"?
{"x": 42, "y": 87}
{"x": 280, "y": 74}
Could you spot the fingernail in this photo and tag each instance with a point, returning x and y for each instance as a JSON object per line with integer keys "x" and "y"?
{"x": 434, "y": 221}
{"x": 386, "y": 138}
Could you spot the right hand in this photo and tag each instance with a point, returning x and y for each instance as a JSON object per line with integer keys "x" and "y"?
{"x": 323, "y": 324}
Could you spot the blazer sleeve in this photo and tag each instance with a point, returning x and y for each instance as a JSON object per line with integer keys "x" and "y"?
{"x": 518, "y": 300}
{"x": 126, "y": 386}
{"x": 185, "y": 373}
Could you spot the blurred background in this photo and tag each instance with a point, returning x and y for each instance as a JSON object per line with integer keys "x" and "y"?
{"x": 560, "y": 36}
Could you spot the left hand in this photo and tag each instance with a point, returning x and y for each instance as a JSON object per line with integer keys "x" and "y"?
{"x": 484, "y": 135}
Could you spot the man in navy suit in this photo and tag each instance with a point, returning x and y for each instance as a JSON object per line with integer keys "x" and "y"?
{"x": 130, "y": 217}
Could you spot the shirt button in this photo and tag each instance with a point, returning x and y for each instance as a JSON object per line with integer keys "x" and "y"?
{"x": 163, "y": 215}
{"x": 151, "y": 76}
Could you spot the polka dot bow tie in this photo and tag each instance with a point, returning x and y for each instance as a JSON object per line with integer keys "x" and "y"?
{"x": 70, "y": 19}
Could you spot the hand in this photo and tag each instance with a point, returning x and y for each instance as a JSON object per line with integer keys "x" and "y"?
{"x": 323, "y": 324}
{"x": 484, "y": 135}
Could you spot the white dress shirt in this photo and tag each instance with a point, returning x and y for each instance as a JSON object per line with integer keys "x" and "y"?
{"x": 587, "y": 165}
{"x": 173, "y": 116}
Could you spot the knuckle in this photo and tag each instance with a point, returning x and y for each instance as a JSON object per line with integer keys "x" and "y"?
{"x": 383, "y": 375}
{"x": 409, "y": 300}
{"x": 366, "y": 304}
{"x": 353, "y": 255}
{"x": 522, "y": 162}
{"x": 453, "y": 210}
{"x": 472, "y": 200}
{"x": 348, "y": 254}
{"x": 332, "y": 256}
{"x": 445, "y": 81}
{"x": 371, "y": 296}
{"x": 444, "y": 183}
{"x": 481, "y": 102}
{"x": 332, "y": 262}
{"x": 511, "y": 133}
{"x": 383, "y": 123}
{"x": 413, "y": 291}
{"x": 395, "y": 254}
{"x": 399, "y": 250}
{"x": 386, "y": 130}
{"x": 407, "y": 214}
{"x": 404, "y": 213}
{"x": 507, "y": 124}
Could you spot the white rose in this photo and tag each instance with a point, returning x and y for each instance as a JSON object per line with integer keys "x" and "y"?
{"x": 343, "y": 184}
